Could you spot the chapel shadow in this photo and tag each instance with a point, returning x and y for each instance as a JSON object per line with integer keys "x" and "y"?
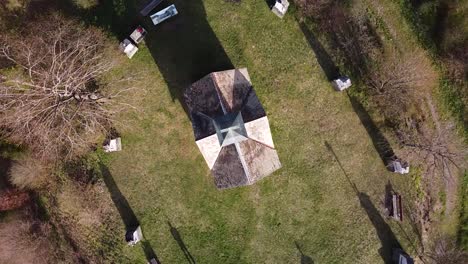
{"x": 178, "y": 238}
{"x": 185, "y": 47}
{"x": 323, "y": 58}
{"x": 385, "y": 234}
{"x": 380, "y": 142}
{"x": 304, "y": 258}
{"x": 118, "y": 17}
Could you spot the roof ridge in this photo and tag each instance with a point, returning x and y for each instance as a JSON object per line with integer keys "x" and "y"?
{"x": 218, "y": 91}
{"x": 259, "y": 142}
{"x": 243, "y": 162}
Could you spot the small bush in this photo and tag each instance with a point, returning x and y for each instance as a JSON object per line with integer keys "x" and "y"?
{"x": 85, "y": 4}
{"x": 28, "y": 173}
{"x": 462, "y": 233}
{"x": 16, "y": 5}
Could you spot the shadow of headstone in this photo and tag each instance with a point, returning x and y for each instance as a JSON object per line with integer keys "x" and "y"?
{"x": 127, "y": 215}
{"x": 304, "y": 258}
{"x": 380, "y": 142}
{"x": 323, "y": 58}
{"x": 149, "y": 252}
{"x": 385, "y": 234}
{"x": 123, "y": 207}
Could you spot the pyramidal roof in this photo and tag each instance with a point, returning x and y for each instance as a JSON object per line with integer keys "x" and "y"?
{"x": 231, "y": 128}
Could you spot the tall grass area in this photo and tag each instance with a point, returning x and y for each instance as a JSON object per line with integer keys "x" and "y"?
{"x": 440, "y": 26}
{"x": 422, "y": 21}
{"x": 462, "y": 238}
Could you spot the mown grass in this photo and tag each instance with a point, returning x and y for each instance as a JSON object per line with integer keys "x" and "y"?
{"x": 309, "y": 201}
{"x": 163, "y": 176}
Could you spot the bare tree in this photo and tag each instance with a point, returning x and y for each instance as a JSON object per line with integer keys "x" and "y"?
{"x": 445, "y": 251}
{"x": 399, "y": 82}
{"x": 355, "y": 39}
{"x": 400, "y": 72}
{"x": 434, "y": 149}
{"x": 54, "y": 99}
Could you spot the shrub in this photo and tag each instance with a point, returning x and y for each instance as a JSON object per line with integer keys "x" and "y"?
{"x": 16, "y": 5}
{"x": 85, "y": 4}
{"x": 59, "y": 97}
{"x": 28, "y": 173}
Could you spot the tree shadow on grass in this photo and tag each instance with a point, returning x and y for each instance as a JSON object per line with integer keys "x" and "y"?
{"x": 323, "y": 58}
{"x": 178, "y": 238}
{"x": 380, "y": 142}
{"x": 385, "y": 234}
{"x": 126, "y": 213}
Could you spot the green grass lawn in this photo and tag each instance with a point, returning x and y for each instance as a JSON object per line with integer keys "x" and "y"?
{"x": 164, "y": 177}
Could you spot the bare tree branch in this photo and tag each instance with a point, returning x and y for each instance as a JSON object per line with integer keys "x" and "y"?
{"x": 54, "y": 99}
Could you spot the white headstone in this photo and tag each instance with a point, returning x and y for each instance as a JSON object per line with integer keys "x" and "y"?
{"x": 138, "y": 34}
{"x": 164, "y": 14}
{"x": 128, "y": 48}
{"x": 113, "y": 145}
{"x": 341, "y": 83}
{"x": 153, "y": 261}
{"x": 400, "y": 168}
{"x": 280, "y": 8}
{"x": 133, "y": 237}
